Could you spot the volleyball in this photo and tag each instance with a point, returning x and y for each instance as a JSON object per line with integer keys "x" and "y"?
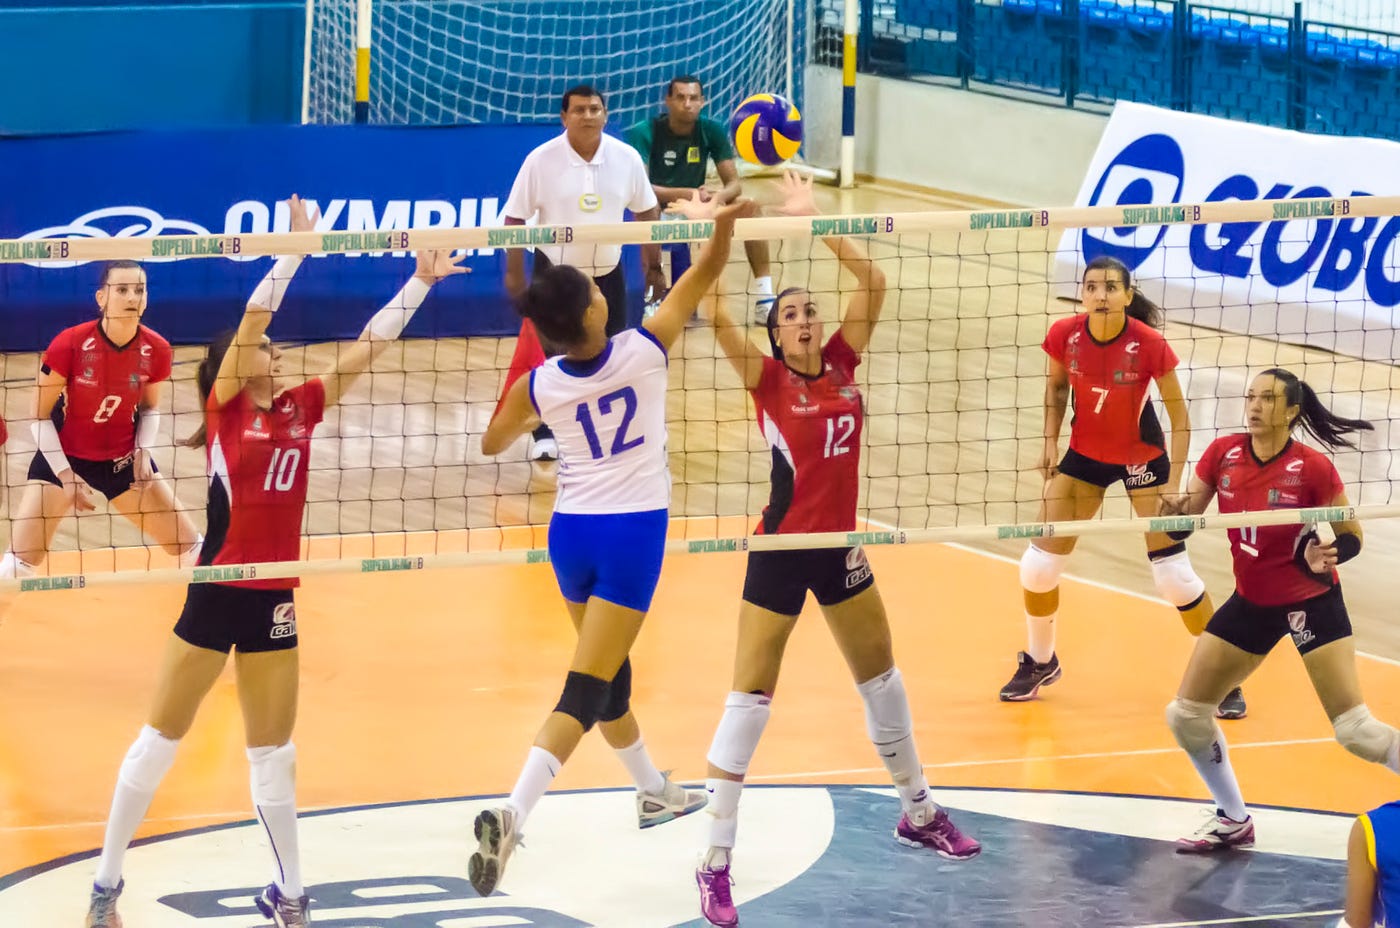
{"x": 767, "y": 129}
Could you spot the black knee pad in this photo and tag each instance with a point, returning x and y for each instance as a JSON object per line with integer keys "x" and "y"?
{"x": 583, "y": 698}
{"x": 1168, "y": 551}
{"x": 619, "y": 698}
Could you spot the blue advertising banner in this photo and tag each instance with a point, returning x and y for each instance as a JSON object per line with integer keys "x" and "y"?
{"x": 230, "y": 182}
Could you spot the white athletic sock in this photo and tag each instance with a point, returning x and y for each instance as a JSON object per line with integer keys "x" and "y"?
{"x": 144, "y": 766}
{"x": 644, "y": 773}
{"x": 1040, "y": 637}
{"x": 541, "y": 767}
{"x": 762, "y": 286}
{"x": 723, "y": 810}
{"x": 272, "y": 782}
{"x": 1213, "y": 764}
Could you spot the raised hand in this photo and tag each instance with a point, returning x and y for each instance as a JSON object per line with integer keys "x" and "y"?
{"x": 695, "y": 207}
{"x": 798, "y": 196}
{"x": 304, "y": 215}
{"x": 434, "y": 264}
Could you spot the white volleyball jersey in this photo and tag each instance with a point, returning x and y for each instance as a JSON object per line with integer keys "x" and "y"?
{"x": 609, "y": 418}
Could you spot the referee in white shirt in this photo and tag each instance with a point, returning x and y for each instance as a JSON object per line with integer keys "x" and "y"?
{"x": 582, "y": 176}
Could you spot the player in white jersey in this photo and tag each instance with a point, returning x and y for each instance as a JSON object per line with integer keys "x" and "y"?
{"x": 605, "y": 399}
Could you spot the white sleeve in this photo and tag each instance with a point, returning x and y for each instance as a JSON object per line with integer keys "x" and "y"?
{"x": 521, "y": 202}
{"x": 643, "y": 195}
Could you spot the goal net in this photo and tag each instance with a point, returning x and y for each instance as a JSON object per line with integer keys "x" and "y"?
{"x": 448, "y": 62}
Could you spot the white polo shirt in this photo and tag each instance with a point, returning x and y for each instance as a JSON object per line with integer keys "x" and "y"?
{"x": 556, "y": 186}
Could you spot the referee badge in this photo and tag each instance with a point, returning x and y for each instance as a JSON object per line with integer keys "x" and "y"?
{"x": 692, "y": 155}
{"x": 590, "y": 202}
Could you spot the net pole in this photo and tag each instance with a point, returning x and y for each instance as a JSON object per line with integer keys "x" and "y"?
{"x": 306, "y": 63}
{"x": 790, "y": 88}
{"x": 363, "y": 12}
{"x": 848, "y": 96}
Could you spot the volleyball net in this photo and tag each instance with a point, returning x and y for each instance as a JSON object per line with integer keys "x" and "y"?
{"x": 953, "y": 380}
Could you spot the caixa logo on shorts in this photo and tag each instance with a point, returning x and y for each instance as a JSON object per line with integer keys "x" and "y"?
{"x": 1138, "y": 475}
{"x": 857, "y": 567}
{"x": 284, "y": 621}
{"x": 1298, "y": 624}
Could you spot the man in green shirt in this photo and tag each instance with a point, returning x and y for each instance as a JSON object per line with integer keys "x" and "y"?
{"x": 677, "y": 147}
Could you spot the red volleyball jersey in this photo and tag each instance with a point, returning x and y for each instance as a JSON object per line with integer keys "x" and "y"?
{"x": 4, "y": 432}
{"x": 1112, "y": 421}
{"x": 105, "y": 382}
{"x": 257, "y": 479}
{"x": 1297, "y": 477}
{"x": 813, "y": 426}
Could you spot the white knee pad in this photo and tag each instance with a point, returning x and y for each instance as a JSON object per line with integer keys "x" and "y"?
{"x": 1040, "y": 570}
{"x": 1192, "y": 723}
{"x": 736, "y": 738}
{"x": 12, "y": 568}
{"x": 886, "y": 708}
{"x": 273, "y": 775}
{"x": 147, "y": 761}
{"x": 1366, "y": 736}
{"x": 1176, "y": 580}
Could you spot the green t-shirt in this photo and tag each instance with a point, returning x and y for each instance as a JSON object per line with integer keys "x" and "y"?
{"x": 679, "y": 160}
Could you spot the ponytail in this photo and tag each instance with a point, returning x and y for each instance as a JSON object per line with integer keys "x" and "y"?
{"x": 204, "y": 378}
{"x": 1316, "y": 419}
{"x": 1140, "y": 307}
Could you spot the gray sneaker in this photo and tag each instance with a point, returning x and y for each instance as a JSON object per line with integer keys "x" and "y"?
{"x": 102, "y": 907}
{"x": 496, "y": 837}
{"x": 672, "y": 802}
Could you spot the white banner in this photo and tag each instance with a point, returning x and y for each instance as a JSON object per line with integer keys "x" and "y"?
{"x": 1329, "y": 282}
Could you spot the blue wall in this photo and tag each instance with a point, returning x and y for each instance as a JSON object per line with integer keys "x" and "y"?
{"x": 97, "y": 65}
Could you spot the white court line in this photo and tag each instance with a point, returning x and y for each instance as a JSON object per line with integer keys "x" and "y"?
{"x": 1096, "y": 755}
{"x": 1241, "y": 919}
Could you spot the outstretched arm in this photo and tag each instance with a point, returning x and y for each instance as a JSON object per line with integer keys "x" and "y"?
{"x": 238, "y": 363}
{"x": 863, "y": 309}
{"x": 388, "y": 324}
{"x": 746, "y": 356}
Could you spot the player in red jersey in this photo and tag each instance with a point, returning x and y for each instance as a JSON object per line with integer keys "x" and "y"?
{"x": 97, "y": 418}
{"x": 1285, "y": 584}
{"x": 258, "y": 431}
{"x": 809, "y": 410}
{"x": 1106, "y": 360}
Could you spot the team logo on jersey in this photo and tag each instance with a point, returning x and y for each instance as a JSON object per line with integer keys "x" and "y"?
{"x": 145, "y": 351}
{"x": 1126, "y": 376}
{"x": 88, "y": 376}
{"x": 1131, "y": 347}
{"x": 284, "y": 621}
{"x": 849, "y": 393}
{"x": 692, "y": 155}
{"x": 1233, "y": 453}
{"x": 1294, "y": 466}
{"x": 668, "y": 157}
{"x": 256, "y": 430}
{"x": 89, "y": 344}
{"x": 1224, "y": 481}
{"x": 1298, "y": 621}
{"x": 134, "y": 379}
{"x": 1279, "y": 497}
{"x": 590, "y": 202}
